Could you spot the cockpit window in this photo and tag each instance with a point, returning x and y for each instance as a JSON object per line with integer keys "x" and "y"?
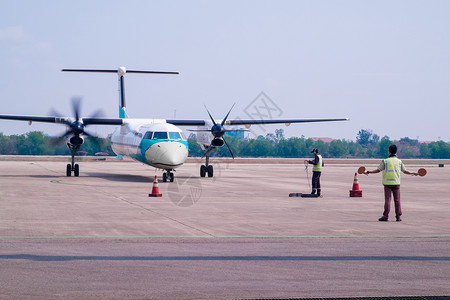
{"x": 148, "y": 135}
{"x": 174, "y": 136}
{"x": 160, "y": 135}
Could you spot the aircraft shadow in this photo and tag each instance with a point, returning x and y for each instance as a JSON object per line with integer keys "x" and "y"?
{"x": 131, "y": 178}
{"x": 28, "y": 176}
{"x": 121, "y": 177}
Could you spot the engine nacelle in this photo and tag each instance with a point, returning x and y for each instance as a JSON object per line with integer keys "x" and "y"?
{"x": 76, "y": 140}
{"x": 217, "y": 142}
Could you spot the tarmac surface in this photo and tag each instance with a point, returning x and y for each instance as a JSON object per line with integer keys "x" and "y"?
{"x": 236, "y": 235}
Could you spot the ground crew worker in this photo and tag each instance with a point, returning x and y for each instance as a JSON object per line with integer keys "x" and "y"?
{"x": 391, "y": 167}
{"x": 317, "y": 171}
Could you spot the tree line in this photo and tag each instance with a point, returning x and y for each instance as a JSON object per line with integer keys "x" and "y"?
{"x": 367, "y": 145}
{"x": 37, "y": 143}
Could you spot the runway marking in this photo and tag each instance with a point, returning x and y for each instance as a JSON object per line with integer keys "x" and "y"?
{"x": 219, "y": 258}
{"x": 157, "y": 213}
{"x": 59, "y": 181}
{"x": 208, "y": 236}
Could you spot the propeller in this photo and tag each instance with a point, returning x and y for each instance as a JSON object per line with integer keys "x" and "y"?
{"x": 218, "y": 131}
{"x": 76, "y": 127}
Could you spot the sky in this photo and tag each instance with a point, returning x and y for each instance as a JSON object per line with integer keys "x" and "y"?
{"x": 383, "y": 64}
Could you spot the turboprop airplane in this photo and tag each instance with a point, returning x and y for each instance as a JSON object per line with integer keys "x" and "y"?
{"x": 155, "y": 142}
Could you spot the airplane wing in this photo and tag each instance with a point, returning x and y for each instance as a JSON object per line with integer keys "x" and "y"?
{"x": 119, "y": 121}
{"x": 251, "y": 122}
{"x": 35, "y": 118}
{"x": 63, "y": 120}
{"x": 103, "y": 121}
{"x": 285, "y": 121}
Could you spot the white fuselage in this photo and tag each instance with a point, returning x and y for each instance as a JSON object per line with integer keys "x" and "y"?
{"x": 151, "y": 141}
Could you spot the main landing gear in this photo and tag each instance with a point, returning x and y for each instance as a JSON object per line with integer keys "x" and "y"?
{"x": 207, "y": 168}
{"x": 73, "y": 167}
{"x": 168, "y": 175}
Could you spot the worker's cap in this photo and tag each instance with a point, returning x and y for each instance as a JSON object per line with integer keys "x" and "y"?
{"x": 315, "y": 151}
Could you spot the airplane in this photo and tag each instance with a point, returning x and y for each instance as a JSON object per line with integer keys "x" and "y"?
{"x": 159, "y": 143}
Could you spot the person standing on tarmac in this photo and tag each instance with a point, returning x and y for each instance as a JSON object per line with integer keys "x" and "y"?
{"x": 317, "y": 171}
{"x": 391, "y": 167}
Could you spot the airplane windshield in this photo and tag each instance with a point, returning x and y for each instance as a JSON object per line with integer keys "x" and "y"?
{"x": 160, "y": 135}
{"x": 174, "y": 136}
{"x": 148, "y": 135}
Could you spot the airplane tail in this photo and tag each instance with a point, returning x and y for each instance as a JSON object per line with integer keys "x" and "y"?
{"x": 122, "y": 107}
{"x": 120, "y": 72}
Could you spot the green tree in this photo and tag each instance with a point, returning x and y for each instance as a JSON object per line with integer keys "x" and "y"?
{"x": 364, "y": 136}
{"x": 337, "y": 149}
{"x": 409, "y": 141}
{"x": 425, "y": 151}
{"x": 383, "y": 146}
{"x": 7, "y": 145}
{"x": 37, "y": 143}
{"x": 194, "y": 148}
{"x": 279, "y": 134}
{"x": 322, "y": 147}
{"x": 440, "y": 150}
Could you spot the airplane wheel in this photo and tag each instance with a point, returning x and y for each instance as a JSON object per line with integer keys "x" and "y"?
{"x": 210, "y": 171}
{"x": 171, "y": 177}
{"x": 68, "y": 170}
{"x": 203, "y": 171}
{"x": 164, "y": 177}
{"x": 76, "y": 171}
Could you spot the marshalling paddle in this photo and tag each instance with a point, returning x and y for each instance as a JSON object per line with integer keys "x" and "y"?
{"x": 422, "y": 172}
{"x": 361, "y": 170}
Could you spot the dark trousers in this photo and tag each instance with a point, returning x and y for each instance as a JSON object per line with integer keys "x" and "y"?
{"x": 388, "y": 191}
{"x": 316, "y": 183}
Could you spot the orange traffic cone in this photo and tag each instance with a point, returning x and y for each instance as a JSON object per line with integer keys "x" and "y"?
{"x": 155, "y": 189}
{"x": 355, "y": 191}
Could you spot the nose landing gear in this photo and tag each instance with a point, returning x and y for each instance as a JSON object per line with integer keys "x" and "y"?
{"x": 168, "y": 175}
{"x": 73, "y": 167}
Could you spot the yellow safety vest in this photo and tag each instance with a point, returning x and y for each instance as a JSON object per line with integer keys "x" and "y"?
{"x": 392, "y": 169}
{"x": 318, "y": 167}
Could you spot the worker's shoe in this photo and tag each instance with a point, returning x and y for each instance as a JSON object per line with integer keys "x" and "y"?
{"x": 383, "y": 219}
{"x": 398, "y": 219}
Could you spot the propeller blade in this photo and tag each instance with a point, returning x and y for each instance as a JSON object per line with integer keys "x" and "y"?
{"x": 229, "y": 149}
{"x": 57, "y": 139}
{"x": 223, "y": 122}
{"x": 88, "y": 134}
{"x": 97, "y": 114}
{"x": 55, "y": 113}
{"x": 212, "y": 119}
{"x": 76, "y": 104}
{"x": 67, "y": 133}
{"x": 54, "y": 141}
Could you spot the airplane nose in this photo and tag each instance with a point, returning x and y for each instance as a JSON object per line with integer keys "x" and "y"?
{"x": 167, "y": 154}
